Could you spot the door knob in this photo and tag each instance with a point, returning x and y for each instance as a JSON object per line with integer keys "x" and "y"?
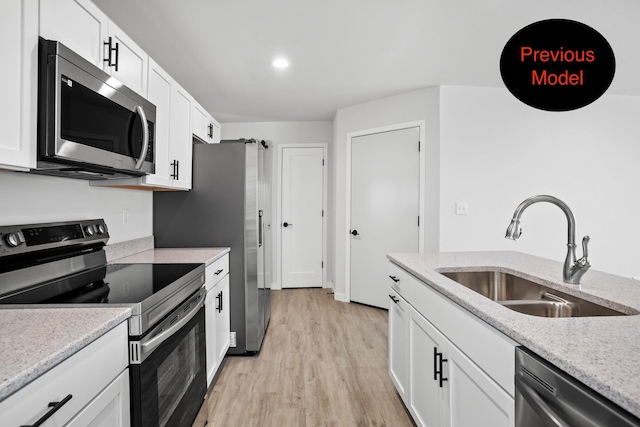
{"x": 355, "y": 232}
{"x": 286, "y": 224}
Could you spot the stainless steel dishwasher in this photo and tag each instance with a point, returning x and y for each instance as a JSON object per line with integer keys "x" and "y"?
{"x": 547, "y": 396}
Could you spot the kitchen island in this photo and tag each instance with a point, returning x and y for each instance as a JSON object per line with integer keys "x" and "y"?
{"x": 601, "y": 352}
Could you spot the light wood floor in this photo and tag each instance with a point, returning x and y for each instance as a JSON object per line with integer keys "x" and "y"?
{"x": 322, "y": 363}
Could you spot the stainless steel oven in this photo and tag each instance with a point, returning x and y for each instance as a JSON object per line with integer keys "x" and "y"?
{"x": 64, "y": 265}
{"x": 167, "y": 371}
{"x": 90, "y": 126}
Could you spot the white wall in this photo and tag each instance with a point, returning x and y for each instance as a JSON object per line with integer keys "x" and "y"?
{"x": 496, "y": 151}
{"x": 28, "y": 199}
{"x": 409, "y": 107}
{"x": 276, "y": 133}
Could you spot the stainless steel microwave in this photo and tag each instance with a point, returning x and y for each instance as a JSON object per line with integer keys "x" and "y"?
{"x": 90, "y": 126}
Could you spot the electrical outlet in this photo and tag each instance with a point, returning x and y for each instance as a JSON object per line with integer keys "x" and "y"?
{"x": 462, "y": 208}
{"x": 125, "y": 216}
{"x": 232, "y": 339}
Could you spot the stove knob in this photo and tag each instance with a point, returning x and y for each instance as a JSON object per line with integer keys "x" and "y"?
{"x": 89, "y": 230}
{"x": 101, "y": 229}
{"x": 14, "y": 239}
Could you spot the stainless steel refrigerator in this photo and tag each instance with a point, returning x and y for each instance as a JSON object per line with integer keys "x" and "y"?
{"x": 228, "y": 205}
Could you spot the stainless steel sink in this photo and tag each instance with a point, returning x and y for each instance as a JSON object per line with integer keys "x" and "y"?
{"x": 528, "y": 297}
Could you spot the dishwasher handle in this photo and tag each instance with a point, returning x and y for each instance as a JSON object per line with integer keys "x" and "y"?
{"x": 538, "y": 404}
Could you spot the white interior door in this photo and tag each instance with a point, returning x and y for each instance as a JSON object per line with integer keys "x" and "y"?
{"x": 302, "y": 196}
{"x": 385, "y": 205}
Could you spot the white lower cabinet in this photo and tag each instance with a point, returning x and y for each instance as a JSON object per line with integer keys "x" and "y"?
{"x": 426, "y": 396}
{"x": 399, "y": 343}
{"x": 109, "y": 409}
{"x": 91, "y": 388}
{"x": 459, "y": 371}
{"x": 217, "y": 319}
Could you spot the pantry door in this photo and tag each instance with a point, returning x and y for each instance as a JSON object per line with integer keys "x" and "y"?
{"x": 302, "y": 217}
{"x": 385, "y": 208}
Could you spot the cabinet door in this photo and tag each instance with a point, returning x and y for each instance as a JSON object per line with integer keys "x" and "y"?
{"x": 398, "y": 344}
{"x": 181, "y": 141}
{"x": 19, "y": 73}
{"x": 200, "y": 123}
{"x": 109, "y": 409}
{"x": 210, "y": 304}
{"x": 132, "y": 61}
{"x": 222, "y": 319}
{"x": 474, "y": 399}
{"x": 425, "y": 394}
{"x": 159, "y": 93}
{"x": 78, "y": 24}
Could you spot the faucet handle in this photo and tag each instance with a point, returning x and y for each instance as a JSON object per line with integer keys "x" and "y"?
{"x": 585, "y": 247}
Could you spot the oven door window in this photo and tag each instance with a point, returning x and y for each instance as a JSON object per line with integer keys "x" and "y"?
{"x": 169, "y": 386}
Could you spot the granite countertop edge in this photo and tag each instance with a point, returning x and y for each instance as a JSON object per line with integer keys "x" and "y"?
{"x": 525, "y": 329}
{"x": 10, "y": 385}
{"x": 206, "y": 256}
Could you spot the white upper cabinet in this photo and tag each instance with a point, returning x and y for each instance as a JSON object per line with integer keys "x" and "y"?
{"x": 181, "y": 140}
{"x": 160, "y": 90}
{"x": 83, "y": 28}
{"x": 204, "y": 126}
{"x": 129, "y": 63}
{"x": 77, "y": 24}
{"x": 19, "y": 74}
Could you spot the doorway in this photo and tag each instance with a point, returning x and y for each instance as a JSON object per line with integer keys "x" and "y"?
{"x": 302, "y": 219}
{"x": 384, "y": 208}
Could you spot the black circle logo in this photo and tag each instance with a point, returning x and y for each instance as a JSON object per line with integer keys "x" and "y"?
{"x": 557, "y": 65}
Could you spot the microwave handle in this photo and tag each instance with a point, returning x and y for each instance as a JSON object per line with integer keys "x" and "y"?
{"x": 145, "y": 137}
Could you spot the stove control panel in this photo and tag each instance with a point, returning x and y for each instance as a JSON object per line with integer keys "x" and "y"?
{"x": 18, "y": 239}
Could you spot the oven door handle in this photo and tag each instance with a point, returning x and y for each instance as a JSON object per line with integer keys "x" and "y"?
{"x": 145, "y": 137}
{"x": 153, "y": 343}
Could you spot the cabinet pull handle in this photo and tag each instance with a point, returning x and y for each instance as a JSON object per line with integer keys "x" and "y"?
{"x": 117, "y": 48}
{"x": 174, "y": 165}
{"x": 394, "y": 299}
{"x": 438, "y": 360}
{"x": 111, "y": 50}
{"x": 218, "y": 272}
{"x": 210, "y": 134}
{"x": 54, "y": 408}
{"x": 219, "y": 298}
{"x": 394, "y": 278}
{"x": 177, "y": 170}
{"x": 107, "y": 44}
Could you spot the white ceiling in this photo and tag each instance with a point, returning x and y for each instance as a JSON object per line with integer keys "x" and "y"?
{"x": 345, "y": 52}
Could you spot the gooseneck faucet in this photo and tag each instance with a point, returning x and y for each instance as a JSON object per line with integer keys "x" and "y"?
{"x": 573, "y": 269}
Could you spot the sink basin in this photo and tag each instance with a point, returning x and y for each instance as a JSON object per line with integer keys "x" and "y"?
{"x": 528, "y": 297}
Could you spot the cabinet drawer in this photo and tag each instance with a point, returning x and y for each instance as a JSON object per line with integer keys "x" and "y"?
{"x": 216, "y": 271}
{"x": 491, "y": 350}
{"x": 82, "y": 376}
{"x": 398, "y": 279}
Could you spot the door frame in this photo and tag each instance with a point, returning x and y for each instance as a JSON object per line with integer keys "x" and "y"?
{"x": 281, "y": 147}
{"x": 421, "y": 124}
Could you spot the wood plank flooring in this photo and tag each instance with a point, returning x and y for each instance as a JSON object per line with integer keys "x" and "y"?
{"x": 322, "y": 363}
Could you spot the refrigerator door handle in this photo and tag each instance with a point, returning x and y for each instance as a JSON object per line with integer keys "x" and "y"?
{"x": 260, "y": 228}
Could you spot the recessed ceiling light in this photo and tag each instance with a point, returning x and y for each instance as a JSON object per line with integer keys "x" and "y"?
{"x": 280, "y": 63}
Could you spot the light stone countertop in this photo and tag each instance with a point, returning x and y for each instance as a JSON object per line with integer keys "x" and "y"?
{"x": 34, "y": 340}
{"x": 601, "y": 352}
{"x": 175, "y": 256}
